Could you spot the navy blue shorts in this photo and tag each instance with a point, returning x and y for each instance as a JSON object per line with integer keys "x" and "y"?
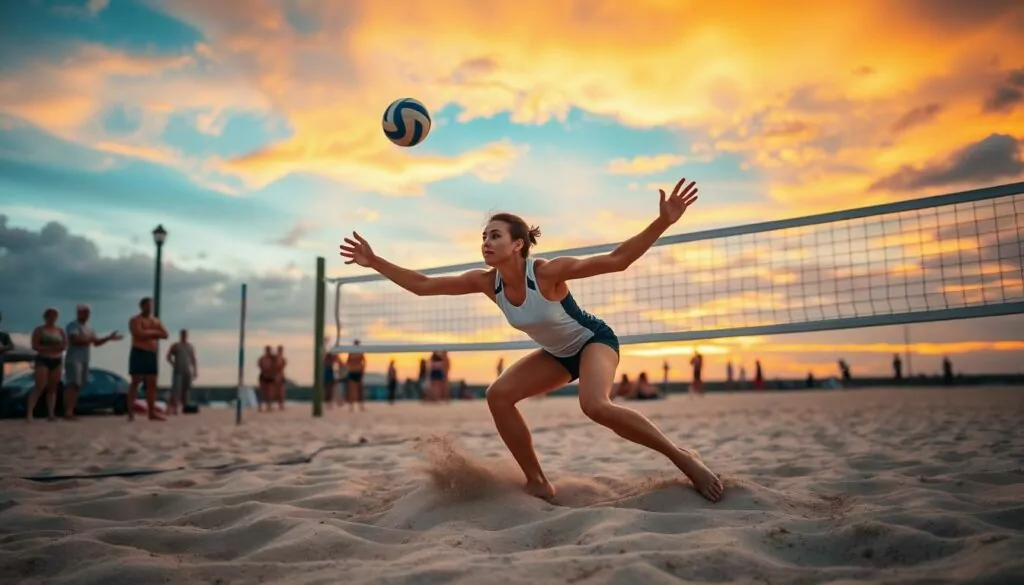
{"x": 603, "y": 335}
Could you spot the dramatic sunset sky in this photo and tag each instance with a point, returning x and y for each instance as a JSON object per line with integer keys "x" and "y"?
{"x": 251, "y": 130}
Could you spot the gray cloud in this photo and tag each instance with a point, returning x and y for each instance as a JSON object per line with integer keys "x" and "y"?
{"x": 994, "y": 158}
{"x": 961, "y": 16}
{"x": 916, "y": 117}
{"x": 53, "y": 267}
{"x": 1007, "y": 95}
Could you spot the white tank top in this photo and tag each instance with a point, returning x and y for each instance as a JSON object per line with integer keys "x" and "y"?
{"x": 560, "y": 327}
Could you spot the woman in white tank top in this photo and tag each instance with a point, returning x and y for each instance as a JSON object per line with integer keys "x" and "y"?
{"x": 535, "y": 298}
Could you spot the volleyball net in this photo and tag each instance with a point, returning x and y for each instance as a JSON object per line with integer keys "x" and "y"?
{"x": 945, "y": 257}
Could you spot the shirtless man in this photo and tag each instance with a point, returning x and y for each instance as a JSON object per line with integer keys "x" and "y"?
{"x": 356, "y": 364}
{"x": 268, "y": 377}
{"x": 146, "y": 331}
{"x": 279, "y": 382}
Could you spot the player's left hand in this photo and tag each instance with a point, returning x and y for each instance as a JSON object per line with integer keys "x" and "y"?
{"x": 673, "y": 206}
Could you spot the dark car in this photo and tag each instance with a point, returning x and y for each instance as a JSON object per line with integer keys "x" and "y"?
{"x": 104, "y": 391}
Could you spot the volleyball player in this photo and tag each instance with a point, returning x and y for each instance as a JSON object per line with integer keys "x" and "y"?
{"x": 535, "y": 298}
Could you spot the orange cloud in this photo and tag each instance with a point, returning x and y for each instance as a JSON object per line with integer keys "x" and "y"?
{"x": 382, "y": 170}
{"x": 823, "y": 118}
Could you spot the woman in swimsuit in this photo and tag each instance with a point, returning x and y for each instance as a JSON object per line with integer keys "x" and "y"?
{"x": 49, "y": 343}
{"x": 535, "y": 298}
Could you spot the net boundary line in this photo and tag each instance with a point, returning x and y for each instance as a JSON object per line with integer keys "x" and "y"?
{"x": 969, "y": 196}
{"x": 906, "y": 318}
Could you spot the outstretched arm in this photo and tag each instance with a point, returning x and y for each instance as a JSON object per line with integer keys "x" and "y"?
{"x": 358, "y": 251}
{"x": 625, "y": 254}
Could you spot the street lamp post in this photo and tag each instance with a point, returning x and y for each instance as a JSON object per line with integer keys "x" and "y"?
{"x": 159, "y": 235}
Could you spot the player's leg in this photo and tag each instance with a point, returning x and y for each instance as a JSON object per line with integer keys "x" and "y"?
{"x": 151, "y": 368}
{"x": 537, "y": 373}
{"x": 74, "y": 379}
{"x": 176, "y": 384}
{"x": 52, "y": 385}
{"x": 40, "y": 376}
{"x": 597, "y": 372}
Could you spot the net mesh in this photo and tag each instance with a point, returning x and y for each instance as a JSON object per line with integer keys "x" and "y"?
{"x": 940, "y": 258}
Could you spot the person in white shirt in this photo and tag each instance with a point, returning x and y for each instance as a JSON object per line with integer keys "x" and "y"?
{"x": 81, "y": 340}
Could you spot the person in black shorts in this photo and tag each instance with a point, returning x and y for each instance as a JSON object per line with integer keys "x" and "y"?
{"x": 49, "y": 342}
{"x": 143, "y": 363}
{"x": 534, "y": 296}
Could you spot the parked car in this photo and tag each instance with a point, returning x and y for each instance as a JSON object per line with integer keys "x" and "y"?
{"x": 104, "y": 391}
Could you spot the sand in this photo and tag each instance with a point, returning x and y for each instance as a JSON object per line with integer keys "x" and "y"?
{"x": 894, "y": 486}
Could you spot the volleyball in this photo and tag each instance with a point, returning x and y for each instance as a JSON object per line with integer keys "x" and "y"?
{"x": 406, "y": 122}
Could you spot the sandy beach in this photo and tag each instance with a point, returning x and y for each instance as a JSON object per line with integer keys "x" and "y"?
{"x": 894, "y": 486}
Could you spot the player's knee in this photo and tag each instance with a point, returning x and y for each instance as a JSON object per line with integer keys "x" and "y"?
{"x": 499, "y": 395}
{"x": 596, "y": 409}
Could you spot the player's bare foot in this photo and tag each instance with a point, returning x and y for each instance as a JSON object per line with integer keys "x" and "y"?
{"x": 704, "y": 480}
{"x": 540, "y": 489}
{"x": 157, "y": 416}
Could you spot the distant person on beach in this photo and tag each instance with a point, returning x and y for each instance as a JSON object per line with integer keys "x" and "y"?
{"x": 184, "y": 369}
{"x": 897, "y": 366}
{"x": 81, "y": 340}
{"x": 729, "y": 382}
{"x": 436, "y": 389}
{"x": 6, "y": 346}
{"x": 49, "y": 342}
{"x": 422, "y": 379}
{"x": 330, "y": 381}
{"x": 392, "y": 382}
{"x": 356, "y": 364}
{"x": 501, "y": 366}
{"x": 644, "y": 389}
{"x": 947, "y": 371}
{"x": 758, "y": 376}
{"x": 743, "y": 377}
{"x": 697, "y": 361}
{"x": 535, "y": 298}
{"x": 844, "y": 371}
{"x": 267, "y": 365}
{"x": 143, "y": 364}
{"x": 623, "y": 389}
{"x": 280, "y": 363}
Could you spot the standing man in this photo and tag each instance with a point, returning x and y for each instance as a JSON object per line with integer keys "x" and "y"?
{"x": 81, "y": 339}
{"x": 6, "y": 345}
{"x": 182, "y": 357}
{"x": 356, "y": 364}
{"x": 143, "y": 364}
